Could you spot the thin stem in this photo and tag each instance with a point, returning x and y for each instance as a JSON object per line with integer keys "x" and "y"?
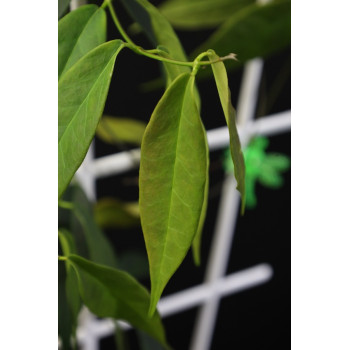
{"x": 117, "y": 23}
{"x": 154, "y": 53}
{"x": 62, "y": 258}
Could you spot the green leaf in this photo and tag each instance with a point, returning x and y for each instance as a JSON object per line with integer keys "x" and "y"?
{"x": 112, "y": 293}
{"x": 200, "y": 14}
{"x": 257, "y": 30}
{"x": 173, "y": 173}
{"x": 79, "y": 32}
{"x": 62, "y": 7}
{"x": 112, "y": 213}
{"x": 99, "y": 247}
{"x": 82, "y": 93}
{"x": 115, "y": 130}
{"x": 220, "y": 76}
{"x": 196, "y": 244}
{"x": 159, "y": 32}
{"x": 270, "y": 177}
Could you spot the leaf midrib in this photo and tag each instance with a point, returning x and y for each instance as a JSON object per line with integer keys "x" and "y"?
{"x": 172, "y": 180}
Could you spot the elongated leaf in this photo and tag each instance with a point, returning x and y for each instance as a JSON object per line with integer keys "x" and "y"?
{"x": 159, "y": 32}
{"x": 111, "y": 213}
{"x": 82, "y": 93}
{"x": 116, "y": 130}
{"x": 173, "y": 172}
{"x": 200, "y": 14}
{"x": 62, "y": 7}
{"x": 256, "y": 30}
{"x": 78, "y": 33}
{"x": 99, "y": 247}
{"x": 112, "y": 293}
{"x": 220, "y": 75}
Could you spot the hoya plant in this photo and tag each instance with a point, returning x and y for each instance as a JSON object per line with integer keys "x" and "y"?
{"x": 173, "y": 172}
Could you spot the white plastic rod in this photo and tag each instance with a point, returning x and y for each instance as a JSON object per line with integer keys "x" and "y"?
{"x": 85, "y": 176}
{"x": 228, "y": 211}
{"x": 217, "y": 138}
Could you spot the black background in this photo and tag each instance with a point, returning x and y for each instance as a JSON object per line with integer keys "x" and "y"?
{"x": 258, "y": 318}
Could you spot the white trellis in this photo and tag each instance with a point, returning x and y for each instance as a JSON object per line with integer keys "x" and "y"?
{"x": 216, "y": 284}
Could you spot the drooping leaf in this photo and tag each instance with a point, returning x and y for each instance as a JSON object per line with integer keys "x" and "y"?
{"x": 200, "y": 14}
{"x": 79, "y": 32}
{"x": 62, "y": 7}
{"x": 116, "y": 130}
{"x": 221, "y": 80}
{"x": 82, "y": 93}
{"x": 111, "y": 213}
{"x": 113, "y": 293}
{"x": 159, "y": 32}
{"x": 257, "y": 30}
{"x": 99, "y": 247}
{"x": 173, "y": 172}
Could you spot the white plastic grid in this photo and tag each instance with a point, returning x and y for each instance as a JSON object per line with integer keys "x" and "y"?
{"x": 216, "y": 284}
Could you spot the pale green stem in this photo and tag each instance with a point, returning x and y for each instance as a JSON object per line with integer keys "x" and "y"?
{"x": 65, "y": 205}
{"x": 152, "y": 53}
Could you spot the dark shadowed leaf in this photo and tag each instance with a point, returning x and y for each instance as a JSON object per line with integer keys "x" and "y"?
{"x": 62, "y": 7}
{"x": 173, "y": 173}
{"x": 159, "y": 32}
{"x": 220, "y": 75}
{"x": 82, "y": 93}
{"x": 116, "y": 130}
{"x": 113, "y": 293}
{"x": 78, "y": 33}
{"x": 99, "y": 247}
{"x": 257, "y": 30}
{"x": 200, "y": 14}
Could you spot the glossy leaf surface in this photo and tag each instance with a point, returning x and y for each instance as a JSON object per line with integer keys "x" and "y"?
{"x": 115, "y": 130}
{"x": 173, "y": 173}
{"x": 200, "y": 14}
{"x": 79, "y": 32}
{"x": 256, "y": 31}
{"x": 112, "y": 213}
{"x": 220, "y": 75}
{"x": 113, "y": 293}
{"x": 159, "y": 32}
{"x": 82, "y": 93}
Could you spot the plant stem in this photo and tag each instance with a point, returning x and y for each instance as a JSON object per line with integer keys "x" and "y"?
{"x": 154, "y": 52}
{"x": 62, "y": 258}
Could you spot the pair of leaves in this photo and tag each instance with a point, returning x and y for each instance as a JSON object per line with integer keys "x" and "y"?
{"x": 200, "y": 14}
{"x": 174, "y": 176}
{"x": 82, "y": 94}
{"x": 85, "y": 67}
